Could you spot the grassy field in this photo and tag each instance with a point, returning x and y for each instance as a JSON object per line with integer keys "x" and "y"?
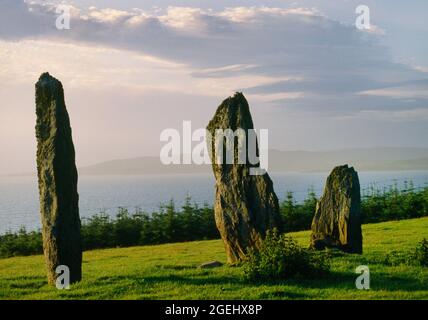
{"x": 171, "y": 272}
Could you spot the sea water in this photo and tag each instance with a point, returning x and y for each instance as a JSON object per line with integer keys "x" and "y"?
{"x": 19, "y": 204}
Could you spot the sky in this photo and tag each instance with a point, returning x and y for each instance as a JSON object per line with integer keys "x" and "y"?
{"x": 131, "y": 69}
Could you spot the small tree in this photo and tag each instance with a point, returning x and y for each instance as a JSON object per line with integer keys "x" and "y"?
{"x": 280, "y": 257}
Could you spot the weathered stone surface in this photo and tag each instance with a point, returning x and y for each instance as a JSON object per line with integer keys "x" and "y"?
{"x": 246, "y": 206}
{"x": 212, "y": 264}
{"x": 57, "y": 177}
{"x": 337, "y": 220}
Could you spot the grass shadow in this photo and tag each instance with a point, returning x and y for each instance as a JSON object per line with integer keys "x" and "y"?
{"x": 334, "y": 280}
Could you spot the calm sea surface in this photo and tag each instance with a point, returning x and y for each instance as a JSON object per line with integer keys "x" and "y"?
{"x": 19, "y": 195}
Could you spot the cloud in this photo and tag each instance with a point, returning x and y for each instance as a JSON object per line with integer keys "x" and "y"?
{"x": 376, "y": 30}
{"x": 410, "y": 90}
{"x": 192, "y": 35}
{"x": 323, "y": 65}
{"x": 420, "y": 114}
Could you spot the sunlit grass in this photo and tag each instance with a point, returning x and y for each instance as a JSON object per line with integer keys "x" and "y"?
{"x": 171, "y": 272}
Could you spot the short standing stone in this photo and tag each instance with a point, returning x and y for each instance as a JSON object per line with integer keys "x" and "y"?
{"x": 337, "y": 220}
{"x": 246, "y": 205}
{"x": 57, "y": 175}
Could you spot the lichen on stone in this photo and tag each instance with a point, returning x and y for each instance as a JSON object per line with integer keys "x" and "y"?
{"x": 57, "y": 177}
{"x": 337, "y": 220}
{"x": 246, "y": 205}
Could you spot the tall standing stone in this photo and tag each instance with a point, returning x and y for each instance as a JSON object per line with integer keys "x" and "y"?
{"x": 246, "y": 206}
{"x": 337, "y": 220}
{"x": 57, "y": 175}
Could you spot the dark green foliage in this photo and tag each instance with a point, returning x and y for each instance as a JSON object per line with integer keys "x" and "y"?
{"x": 168, "y": 225}
{"x": 394, "y": 204}
{"x": 280, "y": 257}
{"x": 193, "y": 223}
{"x": 21, "y": 243}
{"x": 418, "y": 256}
{"x": 395, "y": 258}
{"x": 377, "y": 206}
{"x": 297, "y": 217}
{"x": 421, "y": 253}
{"x": 100, "y": 231}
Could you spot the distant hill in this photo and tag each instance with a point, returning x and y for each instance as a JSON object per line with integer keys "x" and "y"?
{"x": 369, "y": 159}
{"x": 144, "y": 165}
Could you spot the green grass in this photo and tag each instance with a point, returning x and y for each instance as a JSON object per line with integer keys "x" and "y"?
{"x": 170, "y": 272}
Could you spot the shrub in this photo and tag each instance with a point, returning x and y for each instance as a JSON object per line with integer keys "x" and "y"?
{"x": 126, "y": 229}
{"x": 21, "y": 243}
{"x": 421, "y": 253}
{"x": 395, "y": 258}
{"x": 417, "y": 256}
{"x": 297, "y": 216}
{"x": 280, "y": 257}
{"x": 394, "y": 204}
{"x": 191, "y": 222}
{"x": 377, "y": 205}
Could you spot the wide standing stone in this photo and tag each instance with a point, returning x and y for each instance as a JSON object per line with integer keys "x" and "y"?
{"x": 337, "y": 220}
{"x": 57, "y": 175}
{"x": 245, "y": 205}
